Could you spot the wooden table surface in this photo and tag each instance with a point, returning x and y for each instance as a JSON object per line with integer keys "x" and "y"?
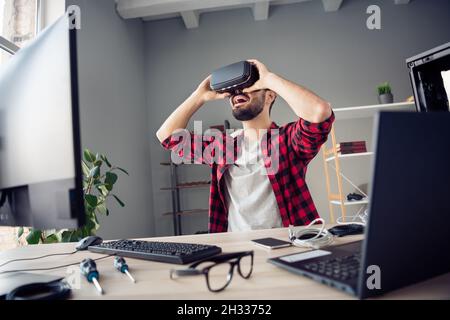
{"x": 153, "y": 282}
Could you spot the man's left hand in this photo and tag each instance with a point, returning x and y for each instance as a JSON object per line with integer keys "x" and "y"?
{"x": 264, "y": 77}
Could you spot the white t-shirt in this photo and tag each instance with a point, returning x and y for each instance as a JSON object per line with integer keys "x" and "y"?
{"x": 249, "y": 194}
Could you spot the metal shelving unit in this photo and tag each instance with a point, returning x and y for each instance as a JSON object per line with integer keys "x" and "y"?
{"x": 175, "y": 188}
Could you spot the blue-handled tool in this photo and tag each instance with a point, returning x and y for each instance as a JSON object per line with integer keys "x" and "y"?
{"x": 89, "y": 270}
{"x": 121, "y": 265}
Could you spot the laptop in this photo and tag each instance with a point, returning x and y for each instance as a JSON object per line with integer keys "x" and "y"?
{"x": 407, "y": 237}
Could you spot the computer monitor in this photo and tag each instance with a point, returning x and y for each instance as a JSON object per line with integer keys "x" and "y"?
{"x": 430, "y": 78}
{"x": 40, "y": 150}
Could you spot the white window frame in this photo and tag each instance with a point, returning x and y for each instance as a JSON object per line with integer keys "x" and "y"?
{"x": 40, "y": 16}
{"x": 8, "y": 46}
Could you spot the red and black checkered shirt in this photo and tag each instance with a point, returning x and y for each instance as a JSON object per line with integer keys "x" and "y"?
{"x": 298, "y": 143}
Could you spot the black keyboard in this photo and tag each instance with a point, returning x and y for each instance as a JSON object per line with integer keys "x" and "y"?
{"x": 169, "y": 252}
{"x": 342, "y": 268}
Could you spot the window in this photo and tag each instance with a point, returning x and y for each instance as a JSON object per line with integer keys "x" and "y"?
{"x": 18, "y": 22}
{"x": 18, "y": 25}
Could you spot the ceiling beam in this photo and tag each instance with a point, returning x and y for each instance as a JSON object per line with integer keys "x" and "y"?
{"x": 129, "y": 9}
{"x": 190, "y": 19}
{"x": 331, "y": 5}
{"x": 261, "y": 10}
{"x": 402, "y": 1}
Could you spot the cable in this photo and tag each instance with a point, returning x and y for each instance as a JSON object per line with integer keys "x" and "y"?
{"x": 311, "y": 237}
{"x": 37, "y": 258}
{"x": 362, "y": 216}
{"x": 41, "y": 291}
{"x": 52, "y": 268}
{"x": 349, "y": 181}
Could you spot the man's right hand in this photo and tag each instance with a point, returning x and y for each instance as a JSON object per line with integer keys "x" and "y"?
{"x": 204, "y": 92}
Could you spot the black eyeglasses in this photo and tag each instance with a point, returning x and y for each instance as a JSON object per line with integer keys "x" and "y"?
{"x": 219, "y": 270}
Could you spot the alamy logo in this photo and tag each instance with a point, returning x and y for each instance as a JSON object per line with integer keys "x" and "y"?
{"x": 374, "y": 279}
{"x": 374, "y": 20}
{"x": 74, "y": 13}
{"x": 217, "y": 147}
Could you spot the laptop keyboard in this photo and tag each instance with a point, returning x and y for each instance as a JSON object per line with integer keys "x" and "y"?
{"x": 341, "y": 268}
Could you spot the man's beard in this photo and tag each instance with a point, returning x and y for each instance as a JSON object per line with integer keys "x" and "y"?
{"x": 249, "y": 112}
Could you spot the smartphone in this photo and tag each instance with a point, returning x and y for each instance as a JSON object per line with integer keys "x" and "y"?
{"x": 271, "y": 243}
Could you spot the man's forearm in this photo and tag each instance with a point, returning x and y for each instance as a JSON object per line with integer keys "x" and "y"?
{"x": 179, "y": 119}
{"x": 306, "y": 104}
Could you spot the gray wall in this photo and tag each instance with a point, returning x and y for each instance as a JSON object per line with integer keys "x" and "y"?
{"x": 333, "y": 54}
{"x": 114, "y": 110}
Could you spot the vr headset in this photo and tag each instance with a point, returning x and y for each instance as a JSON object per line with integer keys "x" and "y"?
{"x": 234, "y": 77}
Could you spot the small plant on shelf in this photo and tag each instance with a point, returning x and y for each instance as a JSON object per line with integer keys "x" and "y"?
{"x": 98, "y": 186}
{"x": 385, "y": 95}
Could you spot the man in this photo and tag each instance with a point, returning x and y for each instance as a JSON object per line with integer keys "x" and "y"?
{"x": 247, "y": 195}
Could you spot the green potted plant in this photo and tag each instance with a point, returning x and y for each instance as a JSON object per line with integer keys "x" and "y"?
{"x": 385, "y": 95}
{"x": 99, "y": 178}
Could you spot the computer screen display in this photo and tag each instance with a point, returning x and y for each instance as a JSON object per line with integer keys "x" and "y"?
{"x": 446, "y": 79}
{"x": 40, "y": 169}
{"x": 430, "y": 78}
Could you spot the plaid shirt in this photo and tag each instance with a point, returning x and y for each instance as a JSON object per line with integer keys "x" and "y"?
{"x": 298, "y": 143}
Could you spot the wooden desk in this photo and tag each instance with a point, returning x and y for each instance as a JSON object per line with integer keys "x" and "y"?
{"x": 153, "y": 282}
